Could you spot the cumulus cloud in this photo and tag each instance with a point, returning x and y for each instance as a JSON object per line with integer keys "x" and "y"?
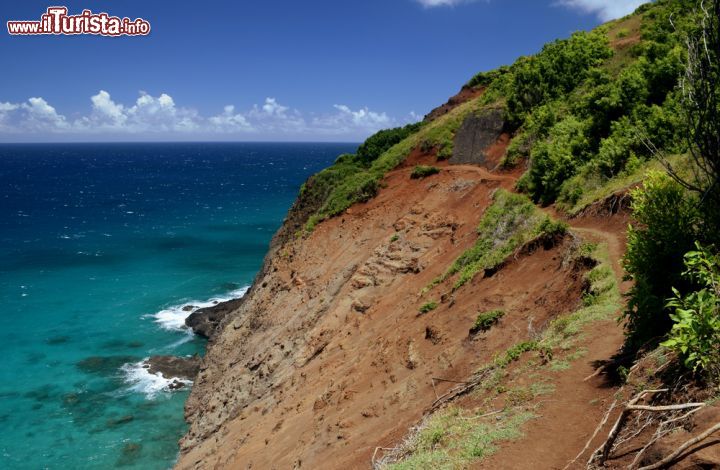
{"x": 606, "y": 10}
{"x": 38, "y": 115}
{"x": 439, "y": 3}
{"x": 161, "y": 116}
{"x": 230, "y": 121}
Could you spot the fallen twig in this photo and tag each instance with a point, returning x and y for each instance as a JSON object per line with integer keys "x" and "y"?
{"x": 683, "y": 406}
{"x": 661, "y": 432}
{"x": 592, "y": 438}
{"x": 608, "y": 445}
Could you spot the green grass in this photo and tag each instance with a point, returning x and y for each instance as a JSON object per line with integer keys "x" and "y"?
{"x": 486, "y": 320}
{"x": 350, "y": 181}
{"x": 423, "y": 171}
{"x": 507, "y": 224}
{"x": 450, "y": 441}
{"x": 428, "y": 307}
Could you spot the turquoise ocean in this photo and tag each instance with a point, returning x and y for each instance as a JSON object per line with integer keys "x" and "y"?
{"x": 101, "y": 247}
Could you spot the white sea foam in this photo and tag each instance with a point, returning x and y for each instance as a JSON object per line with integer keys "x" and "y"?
{"x": 140, "y": 380}
{"x": 173, "y": 317}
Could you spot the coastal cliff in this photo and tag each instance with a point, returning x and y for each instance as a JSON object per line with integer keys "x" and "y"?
{"x": 448, "y": 296}
{"x": 328, "y": 356}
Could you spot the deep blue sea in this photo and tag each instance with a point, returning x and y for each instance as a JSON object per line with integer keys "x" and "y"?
{"x": 101, "y": 245}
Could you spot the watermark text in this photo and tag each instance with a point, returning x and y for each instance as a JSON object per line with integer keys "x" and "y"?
{"x": 57, "y": 21}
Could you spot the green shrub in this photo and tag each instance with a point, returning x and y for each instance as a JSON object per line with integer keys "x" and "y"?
{"x": 422, "y": 171}
{"x": 486, "y": 320}
{"x": 666, "y": 220}
{"x": 552, "y": 227}
{"x": 695, "y": 334}
{"x": 380, "y": 142}
{"x": 428, "y": 307}
{"x": 558, "y": 158}
{"x": 556, "y": 70}
{"x": 514, "y": 353}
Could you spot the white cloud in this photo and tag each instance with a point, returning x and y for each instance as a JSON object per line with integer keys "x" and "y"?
{"x": 229, "y": 121}
{"x": 606, "y": 10}
{"x": 38, "y": 115}
{"x": 439, "y": 3}
{"x": 106, "y": 111}
{"x": 160, "y": 116}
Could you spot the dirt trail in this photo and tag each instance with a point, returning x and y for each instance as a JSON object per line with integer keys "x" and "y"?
{"x": 581, "y": 397}
{"x": 328, "y": 357}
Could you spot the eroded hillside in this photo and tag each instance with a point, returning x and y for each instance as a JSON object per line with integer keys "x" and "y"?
{"x": 448, "y": 296}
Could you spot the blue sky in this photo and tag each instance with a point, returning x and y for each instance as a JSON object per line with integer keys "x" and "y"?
{"x": 316, "y": 70}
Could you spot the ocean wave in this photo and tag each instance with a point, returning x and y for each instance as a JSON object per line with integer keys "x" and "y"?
{"x": 140, "y": 380}
{"x": 173, "y": 317}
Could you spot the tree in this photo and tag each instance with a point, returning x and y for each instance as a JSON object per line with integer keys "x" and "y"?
{"x": 701, "y": 106}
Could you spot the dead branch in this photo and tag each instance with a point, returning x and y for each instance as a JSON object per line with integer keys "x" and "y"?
{"x": 662, "y": 431}
{"x": 372, "y": 460}
{"x": 597, "y": 372}
{"x": 594, "y": 435}
{"x": 679, "y": 451}
{"x": 615, "y": 431}
{"x": 683, "y": 406}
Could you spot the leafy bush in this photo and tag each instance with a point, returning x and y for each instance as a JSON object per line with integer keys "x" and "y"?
{"x": 486, "y": 320}
{"x": 665, "y": 225}
{"x": 486, "y": 78}
{"x": 428, "y": 307}
{"x": 380, "y": 142}
{"x": 422, "y": 171}
{"x": 557, "y": 159}
{"x": 555, "y": 71}
{"x": 695, "y": 335}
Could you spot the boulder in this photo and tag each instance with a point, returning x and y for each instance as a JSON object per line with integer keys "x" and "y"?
{"x": 184, "y": 368}
{"x": 204, "y": 321}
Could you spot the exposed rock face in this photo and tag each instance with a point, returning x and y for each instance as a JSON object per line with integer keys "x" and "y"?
{"x": 477, "y": 134}
{"x": 204, "y": 322}
{"x": 185, "y": 368}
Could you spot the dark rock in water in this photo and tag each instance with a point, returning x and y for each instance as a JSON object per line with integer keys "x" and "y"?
{"x": 204, "y": 321}
{"x": 55, "y": 340}
{"x": 118, "y": 421}
{"x": 476, "y": 135}
{"x": 185, "y": 368}
{"x": 130, "y": 454}
{"x": 176, "y": 385}
{"x": 188, "y": 308}
{"x": 105, "y": 365}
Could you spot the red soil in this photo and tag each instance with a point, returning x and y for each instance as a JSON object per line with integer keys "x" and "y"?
{"x": 309, "y": 381}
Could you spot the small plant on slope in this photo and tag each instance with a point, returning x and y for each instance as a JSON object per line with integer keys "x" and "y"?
{"x": 428, "y": 307}
{"x": 422, "y": 171}
{"x": 696, "y": 332}
{"x": 486, "y": 320}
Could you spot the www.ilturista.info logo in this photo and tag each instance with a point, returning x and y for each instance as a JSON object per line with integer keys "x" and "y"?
{"x": 57, "y": 21}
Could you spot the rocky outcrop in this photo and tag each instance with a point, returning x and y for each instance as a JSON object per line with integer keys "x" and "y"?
{"x": 204, "y": 322}
{"x": 184, "y": 368}
{"x": 476, "y": 136}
